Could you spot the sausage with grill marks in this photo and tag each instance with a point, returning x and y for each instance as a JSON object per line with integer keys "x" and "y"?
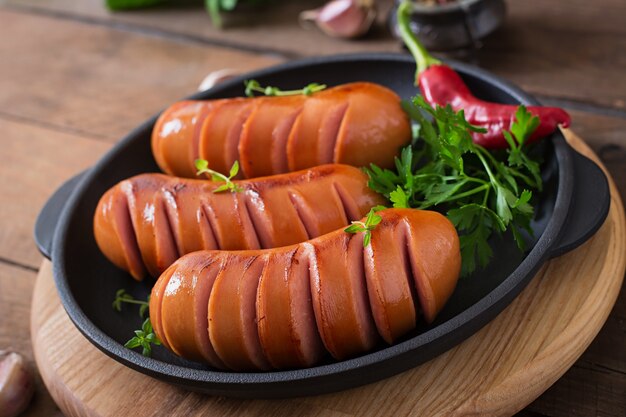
{"x": 145, "y": 223}
{"x": 355, "y": 124}
{"x": 289, "y": 307}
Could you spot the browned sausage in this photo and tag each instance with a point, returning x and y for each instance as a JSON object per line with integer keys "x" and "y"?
{"x": 355, "y": 124}
{"x": 287, "y": 307}
{"x": 147, "y": 222}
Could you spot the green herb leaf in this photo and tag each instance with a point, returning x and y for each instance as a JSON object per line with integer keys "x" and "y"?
{"x": 371, "y": 221}
{"x": 399, "y": 198}
{"x": 121, "y": 296}
{"x": 144, "y": 338}
{"x": 252, "y": 86}
{"x": 203, "y": 168}
{"x": 234, "y": 170}
{"x": 444, "y": 169}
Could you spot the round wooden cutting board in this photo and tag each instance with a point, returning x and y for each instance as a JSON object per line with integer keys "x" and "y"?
{"x": 498, "y": 371}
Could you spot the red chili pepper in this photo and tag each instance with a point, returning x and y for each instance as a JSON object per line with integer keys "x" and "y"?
{"x": 441, "y": 85}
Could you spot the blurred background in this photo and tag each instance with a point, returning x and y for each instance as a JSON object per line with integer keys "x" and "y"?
{"x": 77, "y": 75}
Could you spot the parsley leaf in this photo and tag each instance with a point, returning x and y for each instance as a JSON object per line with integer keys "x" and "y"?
{"x": 482, "y": 193}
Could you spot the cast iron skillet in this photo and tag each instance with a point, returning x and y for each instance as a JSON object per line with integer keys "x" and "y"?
{"x": 572, "y": 207}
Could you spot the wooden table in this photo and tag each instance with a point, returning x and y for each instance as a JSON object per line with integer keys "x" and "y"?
{"x": 75, "y": 78}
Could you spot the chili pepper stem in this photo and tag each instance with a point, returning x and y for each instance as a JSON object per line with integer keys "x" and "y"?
{"x": 422, "y": 58}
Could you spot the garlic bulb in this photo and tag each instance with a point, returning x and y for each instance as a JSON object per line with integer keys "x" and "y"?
{"x": 216, "y": 77}
{"x": 342, "y": 18}
{"x": 16, "y": 384}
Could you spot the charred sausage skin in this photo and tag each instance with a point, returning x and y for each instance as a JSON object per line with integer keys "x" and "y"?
{"x": 143, "y": 224}
{"x": 355, "y": 124}
{"x": 291, "y": 306}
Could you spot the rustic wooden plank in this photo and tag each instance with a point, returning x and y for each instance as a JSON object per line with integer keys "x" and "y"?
{"x": 105, "y": 81}
{"x": 274, "y": 28}
{"x": 16, "y": 286}
{"x": 567, "y": 51}
{"x": 36, "y": 161}
{"x": 605, "y": 135}
{"x": 125, "y": 76}
{"x": 582, "y": 393}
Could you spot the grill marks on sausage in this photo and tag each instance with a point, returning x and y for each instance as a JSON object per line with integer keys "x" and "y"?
{"x": 286, "y": 321}
{"x": 390, "y": 282}
{"x": 256, "y": 212}
{"x": 329, "y": 132}
{"x": 156, "y": 306}
{"x": 262, "y": 144}
{"x": 291, "y": 306}
{"x": 209, "y": 240}
{"x": 165, "y": 235}
{"x": 343, "y": 315}
{"x": 347, "y": 203}
{"x": 116, "y": 222}
{"x": 314, "y": 135}
{"x": 204, "y": 285}
{"x": 170, "y": 207}
{"x": 176, "y": 135}
{"x": 428, "y": 266}
{"x": 232, "y": 314}
{"x": 272, "y": 135}
{"x": 220, "y": 133}
{"x": 305, "y": 214}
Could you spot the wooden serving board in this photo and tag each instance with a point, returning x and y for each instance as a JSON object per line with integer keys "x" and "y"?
{"x": 498, "y": 371}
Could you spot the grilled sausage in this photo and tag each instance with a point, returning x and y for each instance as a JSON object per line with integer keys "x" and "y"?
{"x": 355, "y": 124}
{"x": 288, "y": 307}
{"x": 147, "y": 222}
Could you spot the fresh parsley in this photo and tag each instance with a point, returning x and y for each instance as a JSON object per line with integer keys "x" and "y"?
{"x": 253, "y": 86}
{"x": 481, "y": 193}
{"x": 371, "y": 221}
{"x": 145, "y": 337}
{"x": 202, "y": 165}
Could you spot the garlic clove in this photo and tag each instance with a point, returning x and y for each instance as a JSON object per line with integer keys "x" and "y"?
{"x": 16, "y": 384}
{"x": 342, "y": 18}
{"x": 216, "y": 77}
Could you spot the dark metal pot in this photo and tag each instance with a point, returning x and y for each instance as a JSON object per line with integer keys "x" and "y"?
{"x": 452, "y": 26}
{"x": 573, "y": 205}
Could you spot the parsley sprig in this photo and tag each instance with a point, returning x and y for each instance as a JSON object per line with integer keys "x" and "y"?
{"x": 145, "y": 337}
{"x": 253, "y": 86}
{"x": 371, "y": 221}
{"x": 202, "y": 165}
{"x": 482, "y": 193}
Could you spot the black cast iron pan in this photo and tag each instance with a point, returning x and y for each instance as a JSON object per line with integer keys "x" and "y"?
{"x": 572, "y": 207}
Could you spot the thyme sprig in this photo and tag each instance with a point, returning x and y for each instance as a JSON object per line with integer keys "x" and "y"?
{"x": 253, "y": 86}
{"x": 202, "y": 165}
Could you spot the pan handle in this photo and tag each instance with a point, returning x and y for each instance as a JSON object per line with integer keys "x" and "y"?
{"x": 48, "y": 217}
{"x": 589, "y": 206}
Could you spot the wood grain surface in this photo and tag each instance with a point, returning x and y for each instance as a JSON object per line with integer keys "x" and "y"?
{"x": 530, "y": 345}
{"x": 74, "y": 78}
